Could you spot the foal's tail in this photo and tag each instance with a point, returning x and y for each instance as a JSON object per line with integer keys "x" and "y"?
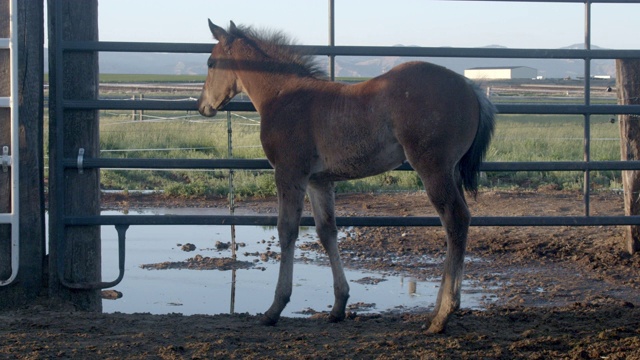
{"x": 469, "y": 165}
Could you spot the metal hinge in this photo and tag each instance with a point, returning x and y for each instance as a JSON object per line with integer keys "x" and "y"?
{"x": 5, "y": 159}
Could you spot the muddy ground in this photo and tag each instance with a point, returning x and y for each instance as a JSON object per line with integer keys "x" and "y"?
{"x": 560, "y": 292}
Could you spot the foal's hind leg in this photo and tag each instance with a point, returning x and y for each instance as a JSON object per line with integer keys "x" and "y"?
{"x": 290, "y": 203}
{"x": 447, "y": 197}
{"x": 322, "y": 200}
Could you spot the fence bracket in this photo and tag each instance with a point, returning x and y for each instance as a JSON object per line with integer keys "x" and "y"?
{"x": 122, "y": 231}
{"x": 6, "y": 159}
{"x": 80, "y": 161}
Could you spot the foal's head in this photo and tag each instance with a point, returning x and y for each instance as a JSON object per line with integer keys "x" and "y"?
{"x": 245, "y": 49}
{"x": 222, "y": 83}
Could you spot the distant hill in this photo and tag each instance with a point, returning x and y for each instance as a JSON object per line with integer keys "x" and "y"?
{"x": 152, "y": 63}
{"x": 549, "y": 68}
{"x": 348, "y": 66}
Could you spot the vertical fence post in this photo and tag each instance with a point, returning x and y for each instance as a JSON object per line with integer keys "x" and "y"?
{"x": 332, "y": 39}
{"x": 141, "y": 111}
{"x": 73, "y": 75}
{"x": 587, "y": 101}
{"x": 134, "y": 113}
{"x": 28, "y": 284}
{"x": 628, "y": 85}
{"x": 232, "y": 209}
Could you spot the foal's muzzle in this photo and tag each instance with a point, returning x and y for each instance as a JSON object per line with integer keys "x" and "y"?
{"x": 207, "y": 110}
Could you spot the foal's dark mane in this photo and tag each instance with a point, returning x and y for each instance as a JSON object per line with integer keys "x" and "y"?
{"x": 276, "y": 45}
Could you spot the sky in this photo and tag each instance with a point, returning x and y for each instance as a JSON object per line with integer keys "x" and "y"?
{"x": 431, "y": 23}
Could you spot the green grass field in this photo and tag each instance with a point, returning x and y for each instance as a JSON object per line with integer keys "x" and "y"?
{"x": 517, "y": 138}
{"x": 175, "y": 134}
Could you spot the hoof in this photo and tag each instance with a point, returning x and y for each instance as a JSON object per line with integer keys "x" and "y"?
{"x": 336, "y": 318}
{"x": 435, "y": 328}
{"x": 267, "y": 321}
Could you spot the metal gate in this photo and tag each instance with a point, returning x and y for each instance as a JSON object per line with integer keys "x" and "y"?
{"x": 9, "y": 156}
{"x": 586, "y": 109}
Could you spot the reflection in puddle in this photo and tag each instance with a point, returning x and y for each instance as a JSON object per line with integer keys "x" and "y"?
{"x": 244, "y": 290}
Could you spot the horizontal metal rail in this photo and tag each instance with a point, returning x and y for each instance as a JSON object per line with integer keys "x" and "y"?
{"x": 251, "y": 220}
{"x": 408, "y": 51}
{"x": 190, "y": 105}
{"x": 564, "y": 1}
{"x": 263, "y": 164}
{"x": 567, "y": 1}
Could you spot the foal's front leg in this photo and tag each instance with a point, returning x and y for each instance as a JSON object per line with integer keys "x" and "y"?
{"x": 290, "y": 205}
{"x": 322, "y": 199}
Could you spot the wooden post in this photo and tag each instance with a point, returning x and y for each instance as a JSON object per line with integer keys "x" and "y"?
{"x": 628, "y": 86}
{"x": 28, "y": 284}
{"x": 73, "y": 192}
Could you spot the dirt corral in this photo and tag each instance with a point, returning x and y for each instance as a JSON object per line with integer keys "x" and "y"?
{"x": 561, "y": 292}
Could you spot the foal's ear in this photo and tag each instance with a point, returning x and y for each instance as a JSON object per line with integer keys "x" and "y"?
{"x": 218, "y": 33}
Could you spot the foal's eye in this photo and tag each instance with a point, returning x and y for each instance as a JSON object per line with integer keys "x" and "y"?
{"x": 210, "y": 63}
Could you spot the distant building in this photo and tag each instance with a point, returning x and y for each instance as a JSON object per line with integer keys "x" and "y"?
{"x": 501, "y": 73}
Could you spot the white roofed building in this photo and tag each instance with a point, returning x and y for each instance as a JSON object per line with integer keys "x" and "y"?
{"x": 501, "y": 73}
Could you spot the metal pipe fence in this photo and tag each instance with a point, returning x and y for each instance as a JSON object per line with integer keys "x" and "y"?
{"x": 585, "y": 109}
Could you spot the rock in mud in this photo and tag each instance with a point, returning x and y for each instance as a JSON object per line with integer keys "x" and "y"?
{"x": 222, "y": 246}
{"x": 111, "y": 294}
{"x": 188, "y": 247}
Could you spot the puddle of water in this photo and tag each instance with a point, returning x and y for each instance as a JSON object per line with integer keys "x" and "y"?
{"x": 210, "y": 291}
